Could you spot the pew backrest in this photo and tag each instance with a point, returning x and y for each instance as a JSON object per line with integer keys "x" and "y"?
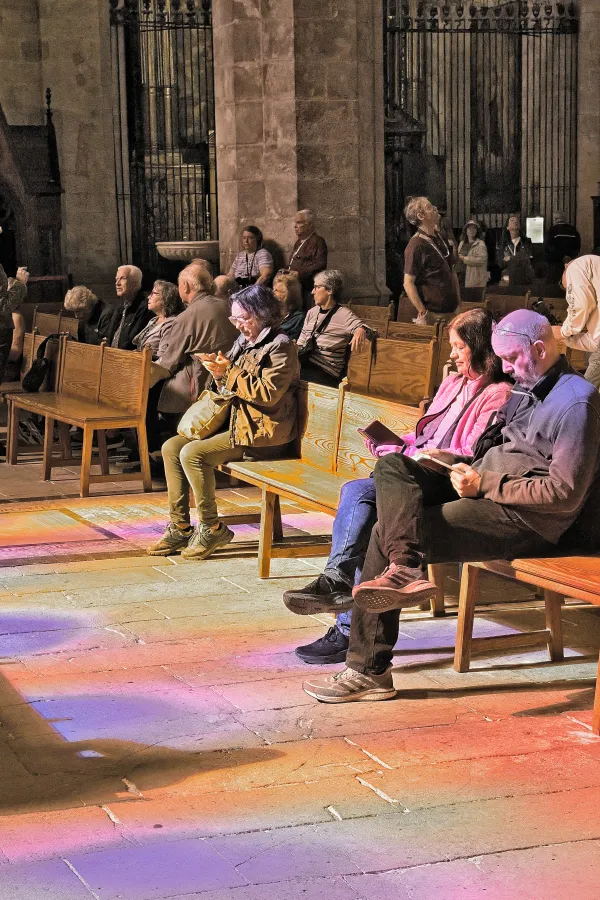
{"x": 318, "y": 424}
{"x": 376, "y": 317}
{"x": 403, "y": 370}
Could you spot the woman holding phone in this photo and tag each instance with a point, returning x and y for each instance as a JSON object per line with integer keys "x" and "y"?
{"x": 461, "y": 410}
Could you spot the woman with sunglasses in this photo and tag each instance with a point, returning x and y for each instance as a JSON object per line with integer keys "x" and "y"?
{"x": 260, "y": 372}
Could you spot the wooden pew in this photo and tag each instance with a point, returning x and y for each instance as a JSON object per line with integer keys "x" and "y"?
{"x": 472, "y": 295}
{"x": 98, "y": 388}
{"x": 403, "y": 371}
{"x": 500, "y": 304}
{"x": 376, "y": 317}
{"x": 577, "y": 577}
{"x": 46, "y": 323}
{"x": 331, "y": 452}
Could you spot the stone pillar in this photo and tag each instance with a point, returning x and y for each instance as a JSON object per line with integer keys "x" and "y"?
{"x": 298, "y": 86}
{"x": 21, "y": 88}
{"x": 79, "y": 73}
{"x": 588, "y": 119}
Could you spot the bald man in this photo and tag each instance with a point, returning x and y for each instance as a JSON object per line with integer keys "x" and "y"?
{"x": 535, "y": 473}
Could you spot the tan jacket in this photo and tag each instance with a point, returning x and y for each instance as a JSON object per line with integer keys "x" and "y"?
{"x": 581, "y": 328}
{"x": 264, "y": 378}
{"x": 203, "y": 327}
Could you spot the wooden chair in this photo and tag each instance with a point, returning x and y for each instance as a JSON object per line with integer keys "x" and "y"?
{"x": 577, "y": 577}
{"x": 98, "y": 388}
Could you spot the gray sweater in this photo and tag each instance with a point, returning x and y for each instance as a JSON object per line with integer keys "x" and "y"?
{"x": 549, "y": 458}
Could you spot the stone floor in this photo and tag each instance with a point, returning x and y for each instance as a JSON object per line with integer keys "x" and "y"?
{"x": 155, "y": 740}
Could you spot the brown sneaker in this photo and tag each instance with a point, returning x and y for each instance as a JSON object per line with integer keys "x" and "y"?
{"x": 174, "y": 540}
{"x": 205, "y": 541}
{"x": 349, "y": 685}
{"x": 396, "y": 588}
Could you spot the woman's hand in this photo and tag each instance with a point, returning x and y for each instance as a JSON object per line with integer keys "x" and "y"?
{"x": 379, "y": 450}
{"x": 359, "y": 340}
{"x": 218, "y": 366}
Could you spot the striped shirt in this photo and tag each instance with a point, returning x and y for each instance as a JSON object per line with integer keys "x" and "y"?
{"x": 331, "y": 351}
{"x": 248, "y": 265}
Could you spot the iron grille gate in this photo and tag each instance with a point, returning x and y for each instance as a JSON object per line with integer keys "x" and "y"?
{"x": 480, "y": 111}
{"x": 164, "y": 125}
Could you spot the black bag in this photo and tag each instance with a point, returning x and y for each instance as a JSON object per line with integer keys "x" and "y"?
{"x": 34, "y": 379}
{"x": 305, "y": 350}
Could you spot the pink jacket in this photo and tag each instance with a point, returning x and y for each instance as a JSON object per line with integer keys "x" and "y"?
{"x": 471, "y": 424}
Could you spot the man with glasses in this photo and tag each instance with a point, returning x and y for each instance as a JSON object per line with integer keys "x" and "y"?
{"x": 534, "y": 484}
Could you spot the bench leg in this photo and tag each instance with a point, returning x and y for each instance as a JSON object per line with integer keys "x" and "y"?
{"x": 553, "y": 604}
{"x": 64, "y": 437}
{"x": 48, "y": 445}
{"x": 265, "y": 543}
{"x": 86, "y": 461}
{"x": 12, "y": 443}
{"x": 144, "y": 457}
{"x": 436, "y": 575}
{"x": 277, "y": 523}
{"x": 466, "y": 615}
{"x": 103, "y": 452}
{"x": 596, "y": 713}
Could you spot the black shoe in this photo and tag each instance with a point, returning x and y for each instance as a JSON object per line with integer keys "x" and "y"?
{"x": 329, "y": 649}
{"x": 320, "y": 596}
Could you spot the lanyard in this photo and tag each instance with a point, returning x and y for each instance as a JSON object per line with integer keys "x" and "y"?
{"x": 296, "y": 252}
{"x": 430, "y": 240}
{"x": 249, "y": 270}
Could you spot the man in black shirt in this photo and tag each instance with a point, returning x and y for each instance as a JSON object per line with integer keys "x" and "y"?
{"x": 562, "y": 240}
{"x": 132, "y": 313}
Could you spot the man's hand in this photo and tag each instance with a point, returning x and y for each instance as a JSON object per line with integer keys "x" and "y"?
{"x": 22, "y": 275}
{"x": 465, "y": 480}
{"x": 359, "y": 340}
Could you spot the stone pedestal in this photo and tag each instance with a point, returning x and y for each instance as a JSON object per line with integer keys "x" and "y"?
{"x": 299, "y": 108}
{"x": 588, "y": 119}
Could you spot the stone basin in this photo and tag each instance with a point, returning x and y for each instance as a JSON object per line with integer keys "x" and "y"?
{"x": 185, "y": 251}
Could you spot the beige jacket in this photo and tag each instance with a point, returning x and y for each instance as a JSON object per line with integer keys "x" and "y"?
{"x": 203, "y": 327}
{"x": 581, "y": 328}
{"x": 264, "y": 378}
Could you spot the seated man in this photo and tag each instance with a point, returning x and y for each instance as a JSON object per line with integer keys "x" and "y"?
{"x": 459, "y": 413}
{"x": 530, "y": 480}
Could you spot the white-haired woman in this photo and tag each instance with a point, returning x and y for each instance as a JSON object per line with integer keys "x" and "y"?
{"x": 330, "y": 332}
{"x": 92, "y": 315}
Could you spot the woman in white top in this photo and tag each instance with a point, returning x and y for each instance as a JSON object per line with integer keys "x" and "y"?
{"x": 472, "y": 253}
{"x": 254, "y": 265}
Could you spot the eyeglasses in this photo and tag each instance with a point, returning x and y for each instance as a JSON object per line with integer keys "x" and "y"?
{"x": 237, "y": 319}
{"x": 504, "y": 332}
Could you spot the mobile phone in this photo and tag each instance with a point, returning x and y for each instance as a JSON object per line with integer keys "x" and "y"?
{"x": 379, "y": 434}
{"x": 426, "y": 458}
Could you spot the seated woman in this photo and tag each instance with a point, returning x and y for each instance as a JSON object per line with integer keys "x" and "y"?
{"x": 330, "y": 332}
{"x": 93, "y": 316}
{"x": 473, "y": 255}
{"x": 459, "y": 413}
{"x": 254, "y": 265}
{"x": 288, "y": 291}
{"x": 164, "y": 301}
{"x": 261, "y": 372}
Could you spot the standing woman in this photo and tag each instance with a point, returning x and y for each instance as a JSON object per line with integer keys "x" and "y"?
{"x": 288, "y": 291}
{"x": 515, "y": 255}
{"x": 260, "y": 373}
{"x": 254, "y": 265}
{"x": 472, "y": 253}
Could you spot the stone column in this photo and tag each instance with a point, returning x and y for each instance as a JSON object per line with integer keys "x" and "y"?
{"x": 588, "y": 119}
{"x": 21, "y": 88}
{"x": 298, "y": 87}
{"x": 79, "y": 73}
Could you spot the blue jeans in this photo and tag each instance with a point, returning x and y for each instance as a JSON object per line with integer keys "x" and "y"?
{"x": 352, "y": 527}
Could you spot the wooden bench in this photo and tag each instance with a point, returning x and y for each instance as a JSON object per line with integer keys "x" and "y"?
{"x": 577, "y": 577}
{"x": 398, "y": 369}
{"x": 376, "y": 317}
{"x": 46, "y": 323}
{"x": 98, "y": 388}
{"x": 500, "y": 304}
{"x": 331, "y": 452}
{"x": 472, "y": 295}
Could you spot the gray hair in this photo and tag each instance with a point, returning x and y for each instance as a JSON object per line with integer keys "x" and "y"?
{"x": 225, "y": 286}
{"x": 332, "y": 280}
{"x": 308, "y": 215}
{"x": 78, "y": 298}
{"x": 414, "y": 208}
{"x": 133, "y": 274}
{"x": 198, "y": 278}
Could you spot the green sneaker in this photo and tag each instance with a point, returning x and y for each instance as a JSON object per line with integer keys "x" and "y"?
{"x": 205, "y": 541}
{"x": 174, "y": 540}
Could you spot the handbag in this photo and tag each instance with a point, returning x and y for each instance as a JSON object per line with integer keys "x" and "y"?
{"x": 39, "y": 369}
{"x": 305, "y": 350}
{"x": 205, "y": 416}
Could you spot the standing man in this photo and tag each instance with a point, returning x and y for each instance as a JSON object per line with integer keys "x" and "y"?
{"x": 562, "y": 240}
{"x": 533, "y": 475}
{"x": 430, "y": 282}
{"x": 581, "y": 328}
{"x": 131, "y": 314}
{"x": 10, "y": 300}
{"x": 309, "y": 255}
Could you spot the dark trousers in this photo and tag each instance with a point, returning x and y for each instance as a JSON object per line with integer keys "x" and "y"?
{"x": 6, "y": 336}
{"x": 421, "y": 520}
